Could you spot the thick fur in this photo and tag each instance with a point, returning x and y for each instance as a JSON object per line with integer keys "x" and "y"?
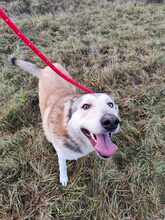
{"x": 63, "y": 116}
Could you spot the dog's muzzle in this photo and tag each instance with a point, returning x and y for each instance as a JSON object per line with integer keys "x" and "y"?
{"x": 109, "y": 122}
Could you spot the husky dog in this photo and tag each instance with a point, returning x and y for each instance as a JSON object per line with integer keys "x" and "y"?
{"x": 76, "y": 124}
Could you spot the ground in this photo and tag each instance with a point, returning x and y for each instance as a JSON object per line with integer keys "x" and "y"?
{"x": 118, "y": 48}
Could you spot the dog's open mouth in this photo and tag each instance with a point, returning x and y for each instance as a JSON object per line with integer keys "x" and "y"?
{"x": 102, "y": 143}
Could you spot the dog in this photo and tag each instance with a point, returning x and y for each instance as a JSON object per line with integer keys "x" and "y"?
{"x": 75, "y": 124}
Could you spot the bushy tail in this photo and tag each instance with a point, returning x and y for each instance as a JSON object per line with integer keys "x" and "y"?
{"x": 26, "y": 66}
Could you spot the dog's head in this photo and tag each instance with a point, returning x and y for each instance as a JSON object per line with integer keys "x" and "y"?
{"x": 96, "y": 118}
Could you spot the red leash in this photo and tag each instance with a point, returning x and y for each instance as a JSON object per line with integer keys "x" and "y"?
{"x": 42, "y": 56}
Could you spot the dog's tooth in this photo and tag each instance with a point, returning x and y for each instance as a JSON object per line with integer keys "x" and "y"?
{"x": 93, "y": 136}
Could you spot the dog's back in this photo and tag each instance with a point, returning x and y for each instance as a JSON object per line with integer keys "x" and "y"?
{"x": 51, "y": 85}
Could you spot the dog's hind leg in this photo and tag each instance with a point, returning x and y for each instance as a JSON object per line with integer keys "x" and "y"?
{"x": 63, "y": 170}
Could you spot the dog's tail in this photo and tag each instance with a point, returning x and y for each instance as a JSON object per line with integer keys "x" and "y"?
{"x": 26, "y": 66}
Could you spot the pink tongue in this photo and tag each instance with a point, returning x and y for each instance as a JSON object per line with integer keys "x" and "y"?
{"x": 104, "y": 145}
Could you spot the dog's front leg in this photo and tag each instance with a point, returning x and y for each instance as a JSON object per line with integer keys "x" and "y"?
{"x": 63, "y": 170}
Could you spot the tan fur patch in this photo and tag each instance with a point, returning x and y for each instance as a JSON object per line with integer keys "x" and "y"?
{"x": 54, "y": 92}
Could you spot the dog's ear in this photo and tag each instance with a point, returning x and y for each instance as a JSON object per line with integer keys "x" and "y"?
{"x": 117, "y": 108}
{"x": 73, "y": 105}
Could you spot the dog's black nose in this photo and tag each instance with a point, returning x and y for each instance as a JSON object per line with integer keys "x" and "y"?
{"x": 109, "y": 122}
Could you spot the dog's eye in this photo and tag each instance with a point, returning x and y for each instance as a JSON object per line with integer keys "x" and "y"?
{"x": 110, "y": 104}
{"x": 86, "y": 106}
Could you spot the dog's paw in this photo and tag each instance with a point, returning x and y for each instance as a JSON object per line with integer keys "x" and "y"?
{"x": 64, "y": 180}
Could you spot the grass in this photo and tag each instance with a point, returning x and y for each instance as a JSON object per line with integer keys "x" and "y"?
{"x": 117, "y": 48}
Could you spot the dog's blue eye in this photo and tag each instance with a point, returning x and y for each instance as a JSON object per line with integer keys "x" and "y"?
{"x": 86, "y": 106}
{"x": 110, "y": 104}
